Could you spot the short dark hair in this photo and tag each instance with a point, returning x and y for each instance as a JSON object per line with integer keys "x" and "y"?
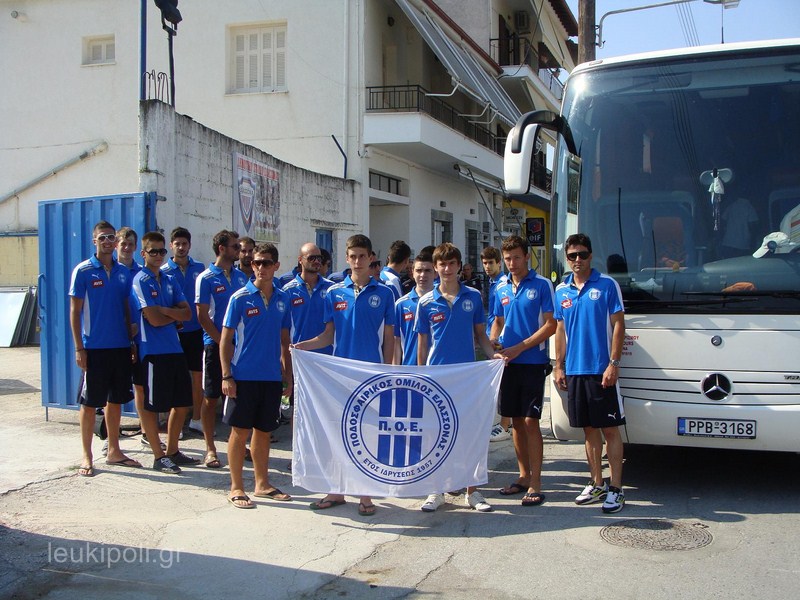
{"x": 398, "y": 252}
{"x": 490, "y": 253}
{"x": 222, "y": 238}
{"x": 152, "y": 236}
{"x": 266, "y": 248}
{"x": 326, "y": 256}
{"x": 359, "y": 240}
{"x": 446, "y": 251}
{"x": 126, "y": 232}
{"x": 180, "y": 232}
{"x": 103, "y": 225}
{"x": 578, "y": 239}
{"x": 513, "y": 242}
{"x": 424, "y": 256}
{"x": 247, "y": 240}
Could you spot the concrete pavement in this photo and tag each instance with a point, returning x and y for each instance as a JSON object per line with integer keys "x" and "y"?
{"x": 129, "y": 533}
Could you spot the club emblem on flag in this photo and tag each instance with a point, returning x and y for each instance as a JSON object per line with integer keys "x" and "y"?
{"x": 382, "y": 427}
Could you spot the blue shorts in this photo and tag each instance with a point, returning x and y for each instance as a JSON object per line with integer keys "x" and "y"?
{"x": 257, "y": 406}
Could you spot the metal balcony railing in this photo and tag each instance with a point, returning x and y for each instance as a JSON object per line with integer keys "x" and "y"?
{"x": 515, "y": 50}
{"x": 415, "y": 98}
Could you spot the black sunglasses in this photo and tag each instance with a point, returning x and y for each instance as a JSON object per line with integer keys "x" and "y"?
{"x": 157, "y": 252}
{"x": 583, "y": 255}
{"x": 314, "y": 257}
{"x": 263, "y": 262}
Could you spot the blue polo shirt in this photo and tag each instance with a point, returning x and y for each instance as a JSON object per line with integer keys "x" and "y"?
{"x": 257, "y": 332}
{"x": 188, "y": 283}
{"x": 586, "y": 315}
{"x": 451, "y": 328}
{"x": 405, "y": 312}
{"x": 308, "y": 309}
{"x": 358, "y": 321}
{"x": 148, "y": 291}
{"x": 104, "y": 297}
{"x": 491, "y": 299}
{"x": 287, "y": 277}
{"x": 391, "y": 278}
{"x": 522, "y": 313}
{"x": 214, "y": 289}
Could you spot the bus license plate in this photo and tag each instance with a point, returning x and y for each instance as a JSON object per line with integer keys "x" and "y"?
{"x": 718, "y": 428}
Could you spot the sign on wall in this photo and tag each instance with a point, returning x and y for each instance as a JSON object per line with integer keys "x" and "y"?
{"x": 256, "y": 199}
{"x": 535, "y": 231}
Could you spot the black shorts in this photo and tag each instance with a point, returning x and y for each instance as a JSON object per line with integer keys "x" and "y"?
{"x": 192, "y": 344}
{"x": 592, "y": 405}
{"x": 212, "y": 372}
{"x": 138, "y": 373}
{"x": 522, "y": 390}
{"x": 107, "y": 377}
{"x": 257, "y": 405}
{"x": 168, "y": 384}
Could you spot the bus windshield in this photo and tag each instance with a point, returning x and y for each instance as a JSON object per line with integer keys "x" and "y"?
{"x": 687, "y": 180}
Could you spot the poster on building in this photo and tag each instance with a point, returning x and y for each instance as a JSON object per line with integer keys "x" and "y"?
{"x": 535, "y": 231}
{"x": 256, "y": 200}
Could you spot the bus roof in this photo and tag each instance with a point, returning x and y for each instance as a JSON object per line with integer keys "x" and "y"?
{"x": 685, "y": 52}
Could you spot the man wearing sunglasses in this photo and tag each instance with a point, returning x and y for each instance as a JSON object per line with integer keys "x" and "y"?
{"x": 99, "y": 317}
{"x": 254, "y": 350}
{"x": 161, "y": 304}
{"x": 588, "y": 345}
{"x": 214, "y": 288}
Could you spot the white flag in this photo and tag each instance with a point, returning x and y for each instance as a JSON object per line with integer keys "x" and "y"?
{"x": 367, "y": 429}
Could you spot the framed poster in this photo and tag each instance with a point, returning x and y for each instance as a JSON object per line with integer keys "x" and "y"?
{"x": 256, "y": 200}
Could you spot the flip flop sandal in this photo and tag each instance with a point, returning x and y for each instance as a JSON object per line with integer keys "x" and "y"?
{"x": 234, "y": 499}
{"x": 86, "y": 471}
{"x": 211, "y": 461}
{"x": 329, "y": 503}
{"x": 125, "y": 462}
{"x": 366, "y": 511}
{"x": 532, "y": 499}
{"x": 513, "y": 489}
{"x": 275, "y": 494}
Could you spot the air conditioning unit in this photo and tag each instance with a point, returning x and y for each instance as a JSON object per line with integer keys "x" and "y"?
{"x": 522, "y": 21}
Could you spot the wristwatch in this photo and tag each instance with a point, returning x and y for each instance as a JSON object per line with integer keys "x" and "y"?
{"x": 614, "y": 363}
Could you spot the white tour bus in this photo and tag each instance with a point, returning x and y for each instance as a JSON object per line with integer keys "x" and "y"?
{"x": 683, "y": 168}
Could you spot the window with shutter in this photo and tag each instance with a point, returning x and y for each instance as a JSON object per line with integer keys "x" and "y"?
{"x": 258, "y": 59}
{"x": 99, "y": 50}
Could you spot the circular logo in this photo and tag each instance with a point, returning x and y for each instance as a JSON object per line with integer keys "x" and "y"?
{"x": 467, "y": 305}
{"x": 399, "y": 428}
{"x": 716, "y": 386}
{"x": 531, "y": 294}
{"x": 594, "y": 294}
{"x": 281, "y": 306}
{"x": 374, "y": 301}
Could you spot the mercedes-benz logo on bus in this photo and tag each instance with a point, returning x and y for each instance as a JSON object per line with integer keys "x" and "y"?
{"x": 715, "y": 386}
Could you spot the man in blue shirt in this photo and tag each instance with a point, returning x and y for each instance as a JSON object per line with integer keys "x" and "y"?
{"x": 186, "y": 270}
{"x": 405, "y": 312}
{"x": 396, "y": 264}
{"x": 523, "y": 324}
{"x": 214, "y": 288}
{"x": 359, "y": 317}
{"x": 449, "y": 320}
{"x": 254, "y": 350}
{"x": 161, "y": 305}
{"x": 246, "y": 247}
{"x": 588, "y": 346}
{"x": 99, "y": 317}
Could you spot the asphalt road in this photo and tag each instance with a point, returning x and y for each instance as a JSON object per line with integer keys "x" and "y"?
{"x": 697, "y": 524}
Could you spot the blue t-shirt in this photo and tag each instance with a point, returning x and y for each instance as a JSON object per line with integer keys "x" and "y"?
{"x": 104, "y": 298}
{"x": 214, "y": 289}
{"x": 257, "y": 333}
{"x": 308, "y": 309}
{"x": 522, "y": 313}
{"x": 405, "y": 312}
{"x": 148, "y": 291}
{"x": 491, "y": 299}
{"x": 451, "y": 329}
{"x": 188, "y": 283}
{"x": 359, "y": 321}
{"x": 586, "y": 315}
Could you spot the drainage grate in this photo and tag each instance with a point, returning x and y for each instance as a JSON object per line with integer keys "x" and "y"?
{"x": 657, "y": 534}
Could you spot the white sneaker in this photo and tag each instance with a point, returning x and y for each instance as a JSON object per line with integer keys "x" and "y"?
{"x": 104, "y": 449}
{"x": 592, "y": 493}
{"x": 196, "y": 426}
{"x": 615, "y": 500}
{"x": 478, "y": 502}
{"x": 499, "y": 434}
{"x": 433, "y": 502}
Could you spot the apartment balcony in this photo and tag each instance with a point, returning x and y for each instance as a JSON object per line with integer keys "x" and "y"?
{"x": 408, "y": 122}
{"x": 521, "y": 59}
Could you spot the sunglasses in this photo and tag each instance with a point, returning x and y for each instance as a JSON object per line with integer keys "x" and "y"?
{"x": 583, "y": 255}
{"x": 157, "y": 252}
{"x": 263, "y": 262}
{"x": 106, "y": 237}
{"x": 314, "y": 257}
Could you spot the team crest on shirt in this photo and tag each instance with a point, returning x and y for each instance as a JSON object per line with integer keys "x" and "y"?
{"x": 436, "y": 317}
{"x": 566, "y": 303}
{"x": 382, "y": 427}
{"x": 506, "y": 300}
{"x": 531, "y": 294}
{"x": 594, "y": 294}
{"x": 374, "y": 301}
{"x": 298, "y": 301}
{"x": 467, "y": 305}
{"x": 281, "y": 306}
{"x": 121, "y": 277}
{"x": 340, "y": 305}
{"x": 253, "y": 312}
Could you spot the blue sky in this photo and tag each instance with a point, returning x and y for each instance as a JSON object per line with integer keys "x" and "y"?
{"x": 660, "y": 28}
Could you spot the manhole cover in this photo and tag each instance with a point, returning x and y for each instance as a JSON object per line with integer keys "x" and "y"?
{"x": 656, "y": 534}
